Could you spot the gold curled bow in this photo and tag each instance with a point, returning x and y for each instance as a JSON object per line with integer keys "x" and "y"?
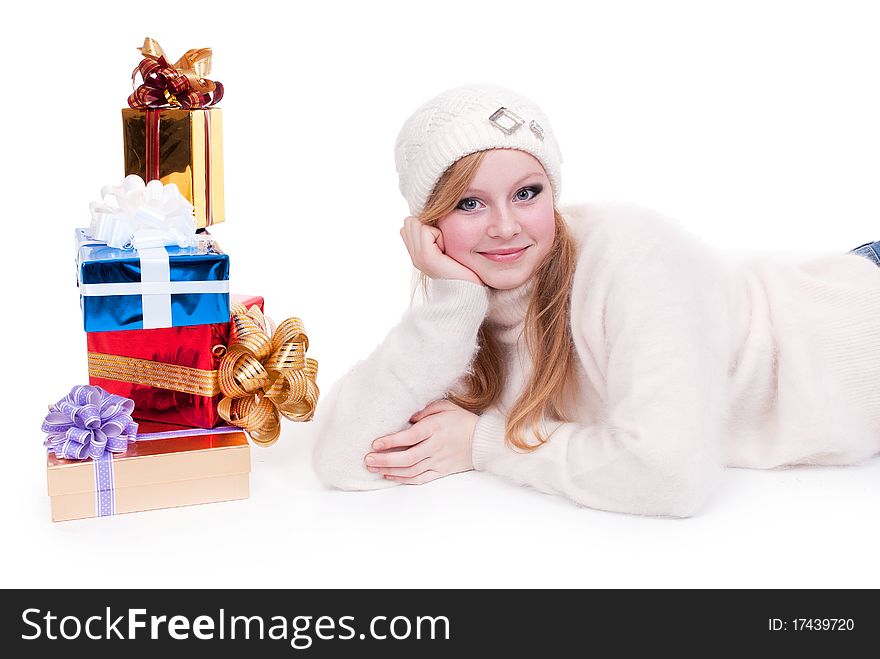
{"x": 194, "y": 64}
{"x": 182, "y": 84}
{"x": 265, "y": 375}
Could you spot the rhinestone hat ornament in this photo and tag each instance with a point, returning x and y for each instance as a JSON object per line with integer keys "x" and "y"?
{"x": 509, "y": 122}
{"x": 506, "y": 120}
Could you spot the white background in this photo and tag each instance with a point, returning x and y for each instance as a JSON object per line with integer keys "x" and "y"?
{"x": 755, "y": 124}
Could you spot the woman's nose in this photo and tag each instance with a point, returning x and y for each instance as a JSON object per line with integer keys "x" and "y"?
{"x": 503, "y": 224}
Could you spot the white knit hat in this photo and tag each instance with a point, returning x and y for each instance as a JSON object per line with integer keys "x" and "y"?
{"x": 461, "y": 121}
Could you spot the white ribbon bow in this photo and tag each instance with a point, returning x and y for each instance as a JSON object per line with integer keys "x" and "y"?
{"x": 138, "y": 215}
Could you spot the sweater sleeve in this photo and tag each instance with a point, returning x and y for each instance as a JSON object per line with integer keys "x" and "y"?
{"x": 418, "y": 362}
{"x": 658, "y": 330}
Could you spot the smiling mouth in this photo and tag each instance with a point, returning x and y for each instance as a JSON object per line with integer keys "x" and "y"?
{"x": 504, "y": 255}
{"x": 512, "y": 250}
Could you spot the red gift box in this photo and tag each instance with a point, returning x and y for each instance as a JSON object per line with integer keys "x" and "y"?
{"x": 169, "y": 372}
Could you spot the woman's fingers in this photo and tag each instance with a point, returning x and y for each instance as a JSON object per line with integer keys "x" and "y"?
{"x": 410, "y": 237}
{"x": 415, "y": 227}
{"x": 430, "y": 235}
{"x": 420, "y": 237}
{"x": 406, "y": 472}
{"x": 424, "y": 477}
{"x": 440, "y": 244}
{"x": 419, "y": 240}
{"x": 409, "y": 437}
{"x": 406, "y": 458}
{"x": 432, "y": 408}
{"x": 432, "y": 242}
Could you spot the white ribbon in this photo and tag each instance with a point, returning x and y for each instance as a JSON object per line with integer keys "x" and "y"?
{"x": 144, "y": 218}
{"x": 154, "y": 288}
{"x": 138, "y": 215}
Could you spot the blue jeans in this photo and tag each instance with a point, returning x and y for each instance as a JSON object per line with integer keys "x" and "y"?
{"x": 870, "y": 251}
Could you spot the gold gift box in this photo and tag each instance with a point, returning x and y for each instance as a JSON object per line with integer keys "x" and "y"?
{"x": 184, "y": 147}
{"x": 154, "y": 473}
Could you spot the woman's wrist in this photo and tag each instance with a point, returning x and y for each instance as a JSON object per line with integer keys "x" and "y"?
{"x": 458, "y": 298}
{"x": 488, "y": 438}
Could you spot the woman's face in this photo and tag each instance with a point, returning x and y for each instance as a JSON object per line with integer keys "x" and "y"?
{"x": 503, "y": 226}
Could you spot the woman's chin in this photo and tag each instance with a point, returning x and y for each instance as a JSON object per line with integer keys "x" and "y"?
{"x": 504, "y": 281}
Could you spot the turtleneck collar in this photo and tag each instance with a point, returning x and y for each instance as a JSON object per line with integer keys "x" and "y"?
{"x": 507, "y": 310}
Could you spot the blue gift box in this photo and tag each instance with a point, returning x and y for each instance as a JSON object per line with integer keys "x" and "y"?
{"x": 128, "y": 289}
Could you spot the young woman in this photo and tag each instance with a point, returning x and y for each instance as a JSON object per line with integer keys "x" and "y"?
{"x": 597, "y": 351}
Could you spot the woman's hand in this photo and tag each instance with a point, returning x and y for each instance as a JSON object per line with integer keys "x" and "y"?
{"x": 425, "y": 246}
{"x": 438, "y": 444}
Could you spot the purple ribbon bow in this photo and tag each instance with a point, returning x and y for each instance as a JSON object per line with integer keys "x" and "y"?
{"x": 89, "y": 421}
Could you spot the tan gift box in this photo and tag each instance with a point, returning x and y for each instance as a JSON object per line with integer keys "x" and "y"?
{"x": 153, "y": 473}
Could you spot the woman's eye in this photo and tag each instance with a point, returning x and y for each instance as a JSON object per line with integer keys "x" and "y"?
{"x": 469, "y": 204}
{"x": 528, "y": 193}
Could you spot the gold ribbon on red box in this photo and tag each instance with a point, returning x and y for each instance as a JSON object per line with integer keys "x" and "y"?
{"x": 184, "y": 84}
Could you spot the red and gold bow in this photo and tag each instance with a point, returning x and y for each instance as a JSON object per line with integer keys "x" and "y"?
{"x": 183, "y": 84}
{"x": 265, "y": 375}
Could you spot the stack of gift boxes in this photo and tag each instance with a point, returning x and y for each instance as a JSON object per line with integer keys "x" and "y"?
{"x": 198, "y": 370}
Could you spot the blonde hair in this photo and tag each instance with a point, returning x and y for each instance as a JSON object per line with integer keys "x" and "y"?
{"x": 547, "y": 329}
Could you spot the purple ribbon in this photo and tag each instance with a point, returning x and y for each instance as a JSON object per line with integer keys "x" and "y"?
{"x": 105, "y": 485}
{"x": 89, "y": 422}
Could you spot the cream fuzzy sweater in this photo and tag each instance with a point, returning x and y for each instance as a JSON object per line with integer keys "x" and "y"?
{"x": 688, "y": 360}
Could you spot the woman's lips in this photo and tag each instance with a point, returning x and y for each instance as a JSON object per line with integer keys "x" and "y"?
{"x": 504, "y": 255}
